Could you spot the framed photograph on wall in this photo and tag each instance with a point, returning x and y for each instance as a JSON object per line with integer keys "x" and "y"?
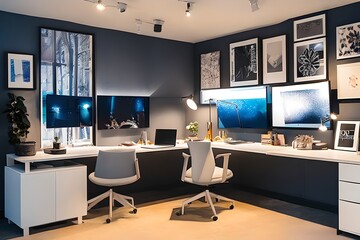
{"x": 244, "y": 63}
{"x": 308, "y": 28}
{"x": 310, "y": 60}
{"x": 348, "y": 41}
{"x": 210, "y": 70}
{"x": 347, "y": 135}
{"x": 348, "y": 81}
{"x": 20, "y": 71}
{"x": 274, "y": 60}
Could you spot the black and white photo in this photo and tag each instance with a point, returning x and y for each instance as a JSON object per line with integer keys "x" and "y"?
{"x": 210, "y": 70}
{"x": 308, "y": 28}
{"x": 274, "y": 60}
{"x": 348, "y": 41}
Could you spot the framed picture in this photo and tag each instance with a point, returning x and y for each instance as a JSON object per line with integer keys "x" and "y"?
{"x": 210, "y": 70}
{"x": 348, "y": 41}
{"x": 20, "y": 71}
{"x": 347, "y": 135}
{"x": 274, "y": 60}
{"x": 310, "y": 60}
{"x": 244, "y": 63}
{"x": 348, "y": 80}
{"x": 308, "y": 28}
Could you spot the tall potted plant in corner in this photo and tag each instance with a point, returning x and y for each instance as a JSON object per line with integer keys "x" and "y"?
{"x": 17, "y": 115}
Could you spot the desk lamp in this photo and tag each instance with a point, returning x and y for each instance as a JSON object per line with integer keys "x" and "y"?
{"x": 190, "y": 102}
{"x": 326, "y": 119}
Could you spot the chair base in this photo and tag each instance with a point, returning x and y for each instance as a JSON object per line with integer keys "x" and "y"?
{"x": 208, "y": 198}
{"x": 122, "y": 199}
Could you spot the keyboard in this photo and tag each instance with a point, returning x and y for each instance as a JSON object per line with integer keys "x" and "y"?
{"x": 235, "y": 141}
{"x": 156, "y": 146}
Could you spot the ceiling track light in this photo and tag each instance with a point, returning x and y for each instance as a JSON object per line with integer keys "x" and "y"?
{"x": 156, "y": 22}
{"x": 188, "y": 8}
{"x": 100, "y": 6}
{"x": 254, "y": 5}
{"x": 121, "y": 7}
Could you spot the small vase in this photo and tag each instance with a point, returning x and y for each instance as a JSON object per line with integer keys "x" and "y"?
{"x": 25, "y": 148}
{"x": 56, "y": 145}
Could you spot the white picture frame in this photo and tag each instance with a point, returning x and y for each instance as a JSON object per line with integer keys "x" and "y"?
{"x": 274, "y": 60}
{"x": 244, "y": 63}
{"x": 308, "y": 28}
{"x": 313, "y": 51}
{"x": 348, "y": 81}
{"x": 345, "y": 45}
{"x": 347, "y": 135}
{"x": 20, "y": 71}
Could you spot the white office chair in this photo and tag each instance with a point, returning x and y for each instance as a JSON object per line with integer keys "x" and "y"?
{"x": 204, "y": 172}
{"x": 115, "y": 168}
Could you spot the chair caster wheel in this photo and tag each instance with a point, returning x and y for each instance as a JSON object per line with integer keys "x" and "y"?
{"x": 108, "y": 220}
{"x": 214, "y": 218}
{"x": 134, "y": 211}
{"x": 231, "y": 206}
{"x": 178, "y": 213}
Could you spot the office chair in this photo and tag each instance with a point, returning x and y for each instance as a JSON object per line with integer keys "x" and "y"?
{"x": 204, "y": 172}
{"x": 115, "y": 168}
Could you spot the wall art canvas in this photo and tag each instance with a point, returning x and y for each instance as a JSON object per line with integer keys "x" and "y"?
{"x": 348, "y": 41}
{"x": 348, "y": 81}
{"x": 244, "y": 63}
{"x": 274, "y": 60}
{"x": 308, "y": 28}
{"x": 210, "y": 70}
{"x": 310, "y": 60}
{"x": 20, "y": 71}
{"x": 347, "y": 135}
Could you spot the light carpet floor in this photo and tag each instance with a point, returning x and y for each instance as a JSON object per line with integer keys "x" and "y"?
{"x": 159, "y": 221}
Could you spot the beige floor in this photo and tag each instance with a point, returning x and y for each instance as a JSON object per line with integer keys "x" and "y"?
{"x": 159, "y": 221}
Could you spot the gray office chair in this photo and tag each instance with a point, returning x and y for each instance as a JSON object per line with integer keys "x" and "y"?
{"x": 204, "y": 172}
{"x": 115, "y": 168}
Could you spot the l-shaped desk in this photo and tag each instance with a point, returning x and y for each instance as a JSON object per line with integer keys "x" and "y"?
{"x": 283, "y": 170}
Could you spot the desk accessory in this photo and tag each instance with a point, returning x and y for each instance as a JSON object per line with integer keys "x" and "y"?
{"x": 55, "y": 151}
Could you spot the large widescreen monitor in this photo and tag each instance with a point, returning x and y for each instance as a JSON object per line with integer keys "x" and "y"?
{"x": 117, "y": 112}
{"x": 68, "y": 111}
{"x": 300, "y": 105}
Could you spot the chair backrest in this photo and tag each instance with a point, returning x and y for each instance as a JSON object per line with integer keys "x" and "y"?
{"x": 113, "y": 164}
{"x": 202, "y": 161}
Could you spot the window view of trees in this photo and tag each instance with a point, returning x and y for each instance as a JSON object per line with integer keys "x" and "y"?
{"x": 66, "y": 69}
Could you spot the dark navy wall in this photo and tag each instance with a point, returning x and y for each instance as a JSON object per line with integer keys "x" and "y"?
{"x": 125, "y": 64}
{"x": 334, "y": 17}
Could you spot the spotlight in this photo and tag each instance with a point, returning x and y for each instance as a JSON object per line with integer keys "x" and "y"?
{"x": 188, "y": 9}
{"x": 138, "y": 24}
{"x": 121, "y": 7}
{"x": 158, "y": 25}
{"x": 254, "y": 5}
{"x": 100, "y": 6}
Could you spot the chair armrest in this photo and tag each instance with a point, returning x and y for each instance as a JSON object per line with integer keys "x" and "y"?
{"x": 137, "y": 169}
{"x": 186, "y": 160}
{"x": 225, "y": 157}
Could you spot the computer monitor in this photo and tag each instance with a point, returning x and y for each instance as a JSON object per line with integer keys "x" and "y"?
{"x": 165, "y": 137}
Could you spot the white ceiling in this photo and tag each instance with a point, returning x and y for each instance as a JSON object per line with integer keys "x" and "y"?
{"x": 209, "y": 19}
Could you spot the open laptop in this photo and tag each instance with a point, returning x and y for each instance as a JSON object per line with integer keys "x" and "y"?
{"x": 163, "y": 138}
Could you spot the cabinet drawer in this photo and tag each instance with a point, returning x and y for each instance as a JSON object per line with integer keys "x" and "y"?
{"x": 349, "y": 172}
{"x": 349, "y": 191}
{"x": 349, "y": 217}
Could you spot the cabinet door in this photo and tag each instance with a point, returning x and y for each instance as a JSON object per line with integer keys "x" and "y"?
{"x": 37, "y": 198}
{"x": 71, "y": 193}
{"x": 349, "y": 217}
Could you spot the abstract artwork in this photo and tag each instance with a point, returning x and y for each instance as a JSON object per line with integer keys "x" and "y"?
{"x": 310, "y": 60}
{"x": 308, "y": 28}
{"x": 244, "y": 63}
{"x": 348, "y": 81}
{"x": 274, "y": 60}
{"x": 348, "y": 41}
{"x": 20, "y": 71}
{"x": 347, "y": 135}
{"x": 210, "y": 70}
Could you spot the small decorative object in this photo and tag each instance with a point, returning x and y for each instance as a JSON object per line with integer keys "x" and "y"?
{"x": 56, "y": 142}
{"x": 348, "y": 41}
{"x": 244, "y": 63}
{"x": 307, "y": 28}
{"x": 347, "y": 135}
{"x": 193, "y": 128}
{"x": 20, "y": 71}
{"x": 303, "y": 142}
{"x": 17, "y": 116}
{"x": 348, "y": 80}
{"x": 274, "y": 60}
{"x": 310, "y": 60}
{"x": 210, "y": 70}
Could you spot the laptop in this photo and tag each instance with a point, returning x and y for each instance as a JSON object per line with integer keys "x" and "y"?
{"x": 163, "y": 138}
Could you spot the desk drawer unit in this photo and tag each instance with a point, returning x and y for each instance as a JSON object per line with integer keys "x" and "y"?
{"x": 349, "y": 198}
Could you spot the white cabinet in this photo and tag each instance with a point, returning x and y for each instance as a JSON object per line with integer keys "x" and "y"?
{"x": 45, "y": 195}
{"x": 349, "y": 198}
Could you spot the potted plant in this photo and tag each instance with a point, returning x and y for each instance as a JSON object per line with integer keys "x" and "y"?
{"x": 193, "y": 128}
{"x": 17, "y": 116}
{"x": 56, "y": 142}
